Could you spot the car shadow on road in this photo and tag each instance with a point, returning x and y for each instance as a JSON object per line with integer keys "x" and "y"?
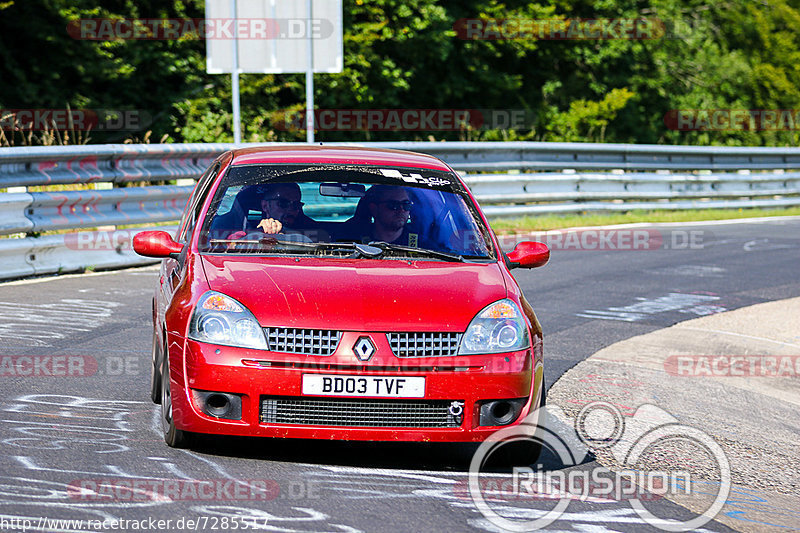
{"x": 426, "y": 456}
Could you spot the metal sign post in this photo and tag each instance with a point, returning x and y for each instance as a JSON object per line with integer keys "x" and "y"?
{"x": 237, "y": 120}
{"x": 275, "y": 44}
{"x": 310, "y": 76}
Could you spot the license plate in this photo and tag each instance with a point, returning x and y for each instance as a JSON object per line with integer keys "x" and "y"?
{"x": 374, "y": 386}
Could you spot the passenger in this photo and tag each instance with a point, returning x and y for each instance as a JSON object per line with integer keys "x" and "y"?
{"x": 390, "y": 207}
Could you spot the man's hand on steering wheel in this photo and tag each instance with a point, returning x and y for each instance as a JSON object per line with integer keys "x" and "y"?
{"x": 270, "y": 225}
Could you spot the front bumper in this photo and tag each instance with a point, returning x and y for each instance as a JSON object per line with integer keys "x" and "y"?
{"x": 254, "y": 374}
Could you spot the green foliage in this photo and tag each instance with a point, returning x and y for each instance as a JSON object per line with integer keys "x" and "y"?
{"x": 43, "y": 67}
{"x": 587, "y": 120}
{"x": 409, "y": 54}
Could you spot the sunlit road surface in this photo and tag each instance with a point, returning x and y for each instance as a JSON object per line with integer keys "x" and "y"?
{"x": 78, "y": 416}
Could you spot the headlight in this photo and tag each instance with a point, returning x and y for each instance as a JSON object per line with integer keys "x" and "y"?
{"x": 498, "y": 328}
{"x": 219, "y": 319}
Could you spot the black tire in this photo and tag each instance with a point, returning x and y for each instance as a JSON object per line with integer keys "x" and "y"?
{"x": 517, "y": 453}
{"x": 544, "y": 395}
{"x": 155, "y": 371}
{"x": 174, "y": 437}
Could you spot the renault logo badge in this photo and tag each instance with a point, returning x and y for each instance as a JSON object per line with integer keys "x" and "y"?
{"x": 363, "y": 348}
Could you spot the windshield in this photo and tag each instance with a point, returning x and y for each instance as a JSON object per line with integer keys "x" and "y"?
{"x": 336, "y": 211}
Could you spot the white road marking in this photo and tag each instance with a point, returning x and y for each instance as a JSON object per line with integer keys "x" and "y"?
{"x": 762, "y": 245}
{"x": 692, "y": 270}
{"x": 742, "y": 335}
{"x": 39, "y": 324}
{"x": 674, "y": 301}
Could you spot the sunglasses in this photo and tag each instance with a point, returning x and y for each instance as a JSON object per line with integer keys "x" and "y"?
{"x": 285, "y": 203}
{"x": 397, "y": 205}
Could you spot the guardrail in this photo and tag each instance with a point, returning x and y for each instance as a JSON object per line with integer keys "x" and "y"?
{"x": 508, "y": 179}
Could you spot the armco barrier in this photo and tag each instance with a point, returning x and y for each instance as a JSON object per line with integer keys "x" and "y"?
{"x": 13, "y": 207}
{"x": 87, "y": 209}
{"x": 70, "y": 252}
{"x": 508, "y": 179}
{"x": 14, "y": 258}
{"x": 116, "y": 163}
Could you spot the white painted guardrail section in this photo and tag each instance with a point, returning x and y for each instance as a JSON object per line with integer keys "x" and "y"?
{"x": 508, "y": 179}
{"x": 92, "y": 208}
{"x": 70, "y": 252}
{"x": 13, "y": 207}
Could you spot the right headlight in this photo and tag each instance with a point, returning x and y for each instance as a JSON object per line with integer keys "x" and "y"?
{"x": 498, "y": 328}
{"x": 219, "y": 319}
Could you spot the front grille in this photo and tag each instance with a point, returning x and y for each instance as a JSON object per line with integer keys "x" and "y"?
{"x": 303, "y": 341}
{"x": 424, "y": 344}
{"x": 358, "y": 413}
{"x": 360, "y": 368}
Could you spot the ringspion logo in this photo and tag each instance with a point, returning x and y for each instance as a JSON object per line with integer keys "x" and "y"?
{"x": 632, "y": 443}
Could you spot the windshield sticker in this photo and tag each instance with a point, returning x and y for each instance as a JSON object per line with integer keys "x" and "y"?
{"x": 414, "y": 178}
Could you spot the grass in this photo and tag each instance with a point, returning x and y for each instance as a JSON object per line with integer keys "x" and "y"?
{"x": 551, "y": 222}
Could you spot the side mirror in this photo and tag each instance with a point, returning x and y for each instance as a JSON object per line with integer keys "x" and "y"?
{"x": 156, "y": 244}
{"x": 528, "y": 254}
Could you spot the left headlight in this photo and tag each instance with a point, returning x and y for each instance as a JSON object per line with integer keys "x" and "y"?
{"x": 219, "y": 319}
{"x": 498, "y": 328}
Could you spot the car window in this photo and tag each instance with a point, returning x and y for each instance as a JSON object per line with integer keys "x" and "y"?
{"x": 325, "y": 205}
{"x": 196, "y": 201}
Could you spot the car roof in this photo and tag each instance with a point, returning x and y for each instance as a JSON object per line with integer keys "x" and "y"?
{"x": 342, "y": 155}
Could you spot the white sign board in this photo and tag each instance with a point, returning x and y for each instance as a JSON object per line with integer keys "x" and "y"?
{"x": 273, "y": 36}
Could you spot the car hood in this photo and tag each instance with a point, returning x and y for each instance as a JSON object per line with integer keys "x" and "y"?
{"x": 357, "y": 294}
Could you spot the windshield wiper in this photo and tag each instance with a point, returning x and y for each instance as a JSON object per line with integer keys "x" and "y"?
{"x": 265, "y": 241}
{"x": 422, "y": 251}
{"x": 247, "y": 245}
{"x": 372, "y": 250}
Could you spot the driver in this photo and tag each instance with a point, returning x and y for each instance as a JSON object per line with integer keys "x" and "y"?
{"x": 280, "y": 207}
{"x": 269, "y": 208}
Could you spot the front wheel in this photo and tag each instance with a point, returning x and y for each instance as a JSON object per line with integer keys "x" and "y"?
{"x": 519, "y": 453}
{"x": 174, "y": 437}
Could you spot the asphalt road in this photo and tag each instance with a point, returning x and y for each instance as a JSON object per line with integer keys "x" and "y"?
{"x": 61, "y": 434}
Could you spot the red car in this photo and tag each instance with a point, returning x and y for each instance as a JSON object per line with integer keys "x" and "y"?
{"x": 340, "y": 293}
